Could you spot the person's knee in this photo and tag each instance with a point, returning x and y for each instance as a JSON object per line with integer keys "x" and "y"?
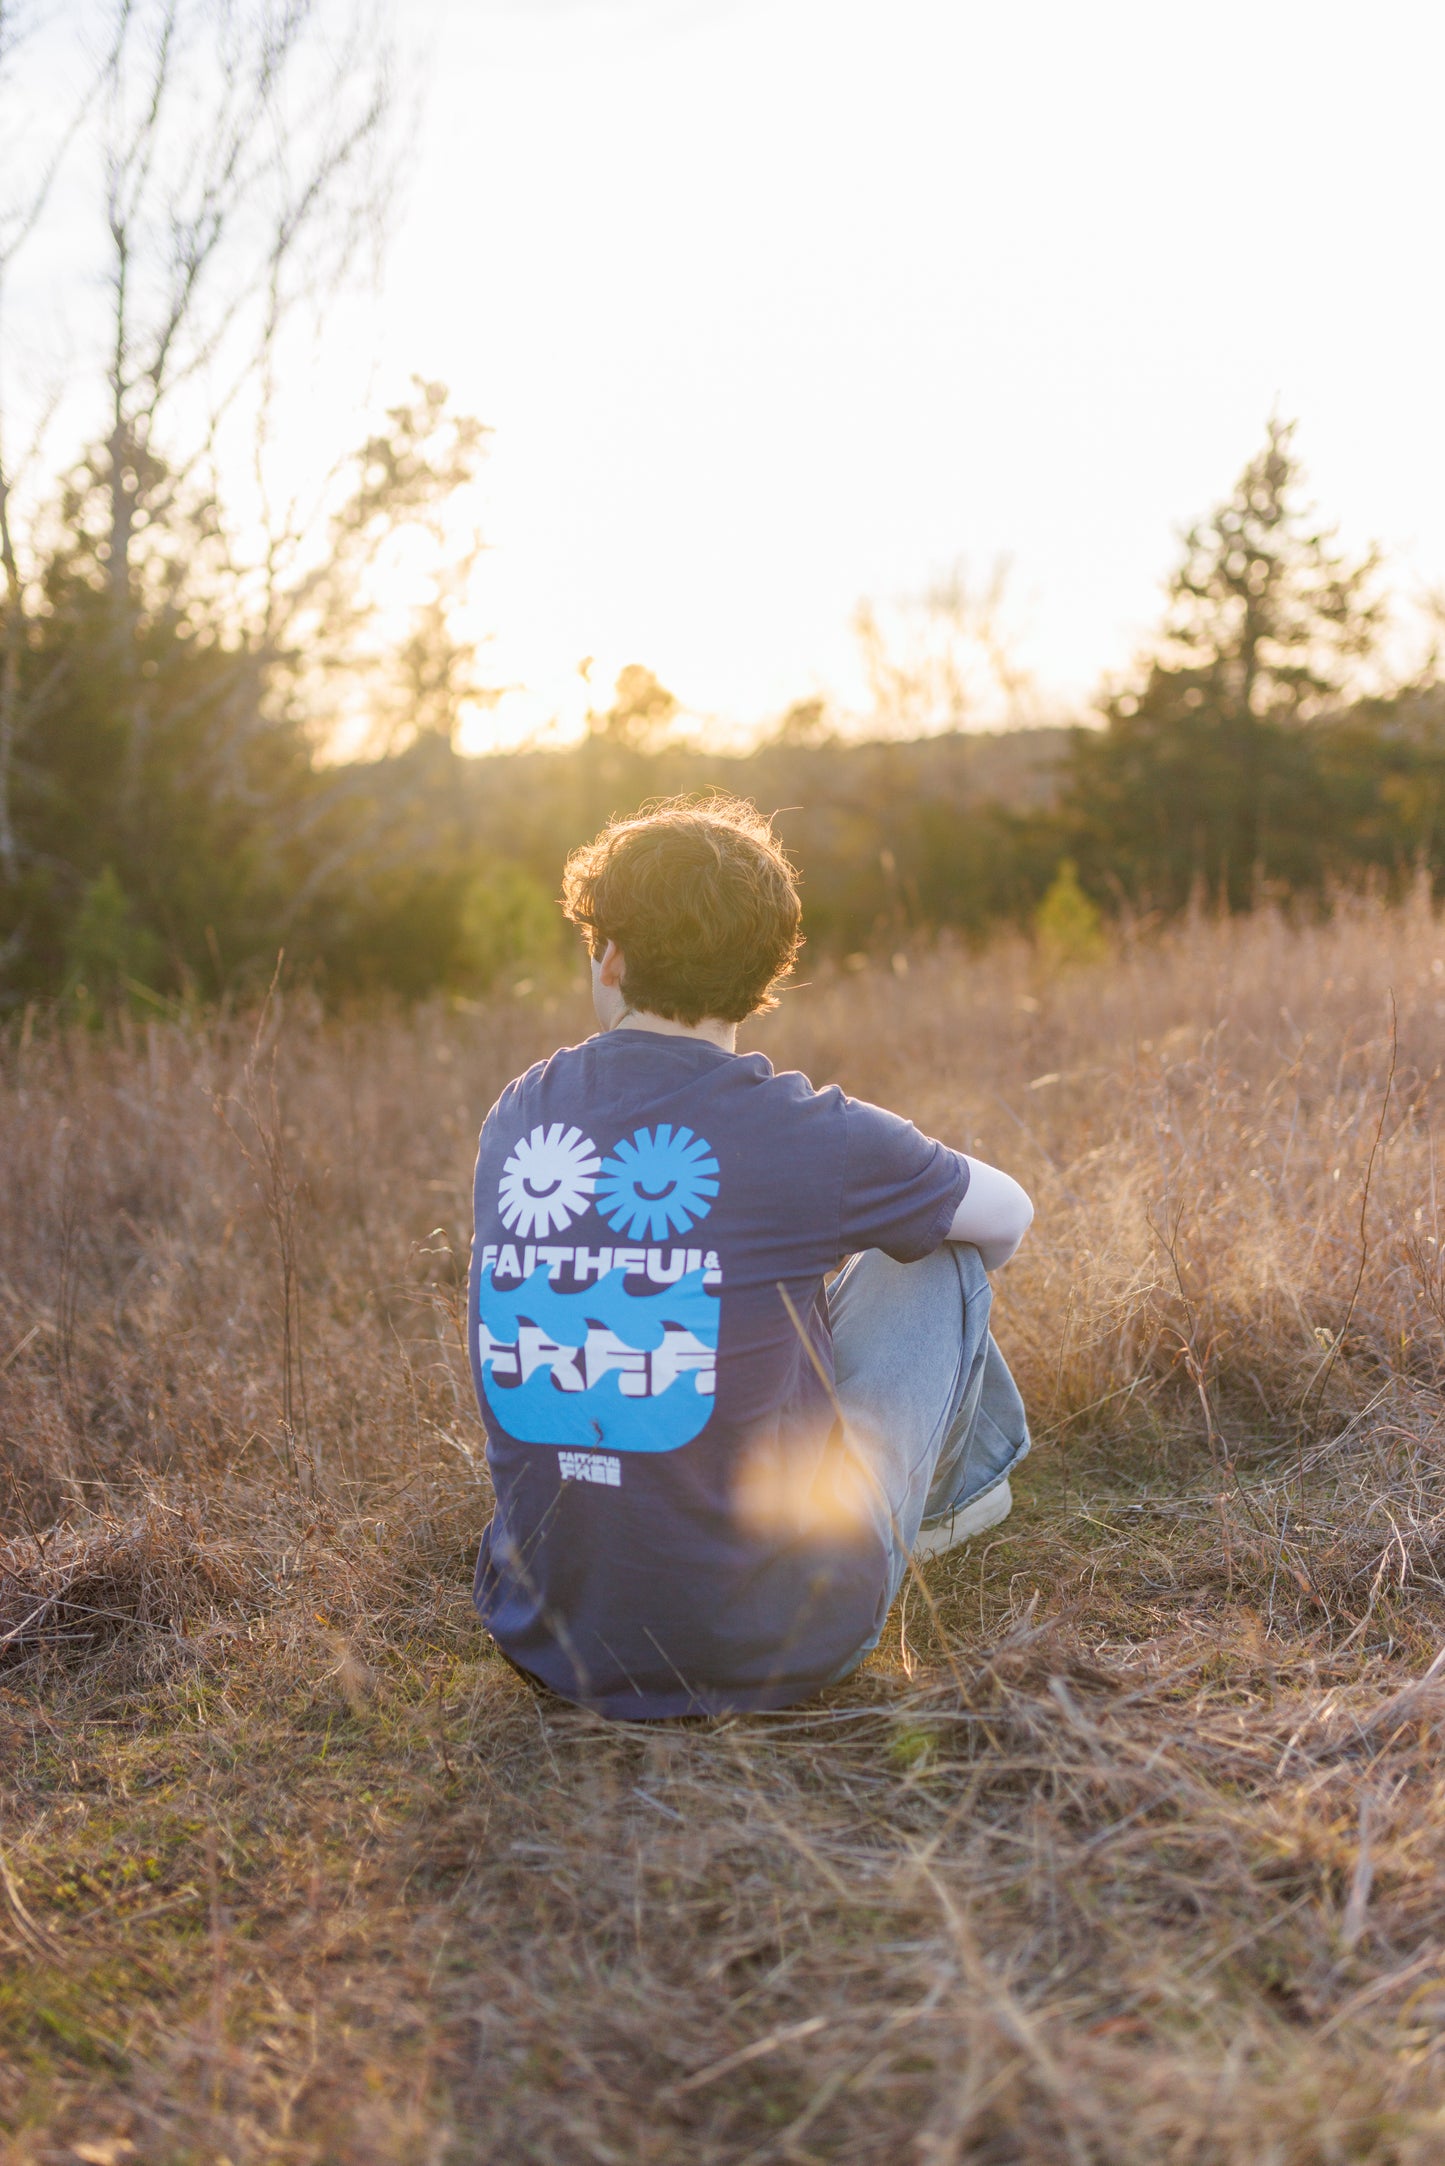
{"x": 874, "y": 1281}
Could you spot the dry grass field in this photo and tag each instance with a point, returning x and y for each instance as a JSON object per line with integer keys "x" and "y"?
{"x": 1127, "y": 1846}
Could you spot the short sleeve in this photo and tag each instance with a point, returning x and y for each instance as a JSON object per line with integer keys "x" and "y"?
{"x": 900, "y": 1188}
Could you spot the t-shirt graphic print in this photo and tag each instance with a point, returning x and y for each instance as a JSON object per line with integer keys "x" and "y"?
{"x": 643, "y": 1204}
{"x": 617, "y": 1342}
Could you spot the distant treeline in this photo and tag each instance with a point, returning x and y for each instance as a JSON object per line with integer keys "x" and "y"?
{"x": 165, "y": 828}
{"x": 890, "y": 837}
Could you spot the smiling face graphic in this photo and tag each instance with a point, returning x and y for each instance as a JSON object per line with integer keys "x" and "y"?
{"x": 547, "y": 1180}
{"x": 657, "y": 1182}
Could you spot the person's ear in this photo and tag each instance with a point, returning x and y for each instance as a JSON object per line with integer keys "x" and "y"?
{"x": 611, "y": 964}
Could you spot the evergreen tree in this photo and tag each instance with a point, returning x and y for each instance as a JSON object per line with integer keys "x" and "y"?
{"x": 1205, "y": 770}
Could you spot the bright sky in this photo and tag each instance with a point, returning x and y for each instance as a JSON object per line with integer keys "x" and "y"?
{"x": 776, "y": 304}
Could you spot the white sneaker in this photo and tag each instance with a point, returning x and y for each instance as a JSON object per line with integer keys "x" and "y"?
{"x": 938, "y": 1536}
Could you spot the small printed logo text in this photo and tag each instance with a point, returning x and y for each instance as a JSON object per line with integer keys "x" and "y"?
{"x": 591, "y": 1467}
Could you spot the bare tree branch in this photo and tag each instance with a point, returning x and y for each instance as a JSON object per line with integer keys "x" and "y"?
{"x": 240, "y": 137}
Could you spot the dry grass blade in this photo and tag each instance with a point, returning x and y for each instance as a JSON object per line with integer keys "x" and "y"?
{"x": 757, "y": 2051}
{"x": 35, "y": 1938}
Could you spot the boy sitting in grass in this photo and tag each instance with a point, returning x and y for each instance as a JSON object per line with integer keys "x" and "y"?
{"x": 711, "y": 1471}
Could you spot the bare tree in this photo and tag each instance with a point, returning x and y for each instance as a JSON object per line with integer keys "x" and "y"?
{"x": 36, "y": 153}
{"x": 406, "y": 478}
{"x": 243, "y": 151}
{"x": 943, "y": 659}
{"x": 244, "y": 158}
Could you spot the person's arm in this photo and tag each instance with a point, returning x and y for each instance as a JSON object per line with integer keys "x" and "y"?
{"x": 994, "y": 1215}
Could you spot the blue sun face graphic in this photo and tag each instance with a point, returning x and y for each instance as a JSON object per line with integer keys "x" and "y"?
{"x": 657, "y": 1183}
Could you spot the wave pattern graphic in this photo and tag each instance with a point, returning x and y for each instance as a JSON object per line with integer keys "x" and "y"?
{"x": 599, "y": 1366}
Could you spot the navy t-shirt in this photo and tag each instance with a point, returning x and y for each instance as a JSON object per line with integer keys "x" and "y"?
{"x": 641, "y": 1203}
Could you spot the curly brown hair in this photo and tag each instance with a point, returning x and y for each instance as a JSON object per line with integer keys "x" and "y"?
{"x": 701, "y": 899}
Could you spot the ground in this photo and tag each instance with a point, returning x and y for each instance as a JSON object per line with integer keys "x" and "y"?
{"x": 1126, "y": 1846}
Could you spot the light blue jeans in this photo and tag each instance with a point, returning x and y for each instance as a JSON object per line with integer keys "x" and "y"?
{"x": 927, "y": 1399}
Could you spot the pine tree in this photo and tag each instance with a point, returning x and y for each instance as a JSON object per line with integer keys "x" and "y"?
{"x": 1205, "y": 770}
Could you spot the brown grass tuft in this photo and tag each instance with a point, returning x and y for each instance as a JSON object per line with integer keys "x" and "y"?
{"x": 152, "y": 1571}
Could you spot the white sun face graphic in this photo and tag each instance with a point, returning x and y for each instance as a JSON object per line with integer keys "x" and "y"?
{"x": 547, "y": 1180}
